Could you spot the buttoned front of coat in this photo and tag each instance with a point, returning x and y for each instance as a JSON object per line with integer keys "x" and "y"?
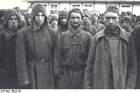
{"x": 34, "y": 56}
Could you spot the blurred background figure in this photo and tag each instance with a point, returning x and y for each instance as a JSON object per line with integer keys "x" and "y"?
{"x": 22, "y": 19}
{"x": 28, "y": 18}
{"x": 2, "y": 12}
{"x": 86, "y": 25}
{"x": 54, "y": 21}
{"x": 133, "y": 21}
{"x": 138, "y": 20}
{"x": 126, "y": 24}
{"x": 95, "y": 22}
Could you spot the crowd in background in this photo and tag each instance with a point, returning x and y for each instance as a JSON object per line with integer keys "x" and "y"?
{"x": 73, "y": 49}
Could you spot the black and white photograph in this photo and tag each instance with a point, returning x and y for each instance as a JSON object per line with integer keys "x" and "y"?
{"x": 69, "y": 45}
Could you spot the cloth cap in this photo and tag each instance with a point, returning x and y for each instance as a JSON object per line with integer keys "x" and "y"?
{"x": 75, "y": 10}
{"x": 53, "y": 16}
{"x": 38, "y": 8}
{"x": 112, "y": 8}
{"x": 129, "y": 13}
{"x": 28, "y": 15}
{"x": 123, "y": 14}
{"x": 126, "y": 18}
{"x": 87, "y": 13}
{"x": 63, "y": 13}
{"x": 17, "y": 9}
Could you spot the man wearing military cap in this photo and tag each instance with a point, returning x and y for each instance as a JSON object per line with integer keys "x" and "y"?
{"x": 112, "y": 60}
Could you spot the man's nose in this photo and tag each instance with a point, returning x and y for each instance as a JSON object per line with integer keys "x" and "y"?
{"x": 76, "y": 19}
{"x": 14, "y": 20}
{"x": 111, "y": 21}
{"x": 64, "y": 20}
{"x": 40, "y": 17}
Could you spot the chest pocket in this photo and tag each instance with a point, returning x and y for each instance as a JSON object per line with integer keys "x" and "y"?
{"x": 74, "y": 47}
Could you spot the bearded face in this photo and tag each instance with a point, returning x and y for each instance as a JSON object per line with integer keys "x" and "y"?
{"x": 111, "y": 20}
{"x": 63, "y": 21}
{"x": 75, "y": 20}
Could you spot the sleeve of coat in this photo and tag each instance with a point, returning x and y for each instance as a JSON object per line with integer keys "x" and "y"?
{"x": 132, "y": 65}
{"x": 57, "y": 57}
{"x": 23, "y": 77}
{"x": 2, "y": 70}
{"x": 88, "y": 81}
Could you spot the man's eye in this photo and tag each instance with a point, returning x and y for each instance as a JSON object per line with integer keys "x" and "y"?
{"x": 113, "y": 17}
{"x": 13, "y": 19}
{"x": 72, "y": 17}
{"x": 107, "y": 17}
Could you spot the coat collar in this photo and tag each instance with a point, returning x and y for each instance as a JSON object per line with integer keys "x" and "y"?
{"x": 35, "y": 26}
{"x": 8, "y": 35}
{"x": 77, "y": 33}
{"x": 123, "y": 34}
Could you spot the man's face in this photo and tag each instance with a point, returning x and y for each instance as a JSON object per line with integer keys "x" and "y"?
{"x": 13, "y": 22}
{"x": 75, "y": 20}
{"x": 94, "y": 18}
{"x": 39, "y": 19}
{"x": 28, "y": 21}
{"x": 63, "y": 21}
{"x": 54, "y": 22}
{"x": 111, "y": 20}
{"x": 125, "y": 24}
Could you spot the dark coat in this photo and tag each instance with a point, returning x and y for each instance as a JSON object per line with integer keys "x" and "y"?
{"x": 8, "y": 73}
{"x": 7, "y": 58}
{"x": 136, "y": 36}
{"x": 60, "y": 30}
{"x": 98, "y": 70}
{"x": 34, "y": 54}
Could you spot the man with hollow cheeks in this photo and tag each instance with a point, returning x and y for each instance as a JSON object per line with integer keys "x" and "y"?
{"x": 34, "y": 53}
{"x": 71, "y": 53}
{"x": 112, "y": 60}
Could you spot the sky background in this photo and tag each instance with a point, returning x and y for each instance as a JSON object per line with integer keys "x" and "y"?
{"x": 5, "y": 4}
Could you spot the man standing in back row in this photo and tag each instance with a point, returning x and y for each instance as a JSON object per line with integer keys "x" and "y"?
{"x": 112, "y": 60}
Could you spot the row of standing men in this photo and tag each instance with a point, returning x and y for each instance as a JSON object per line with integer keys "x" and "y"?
{"x": 37, "y": 57}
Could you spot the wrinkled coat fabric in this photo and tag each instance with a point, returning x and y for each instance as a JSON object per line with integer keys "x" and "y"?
{"x": 32, "y": 47}
{"x": 71, "y": 52}
{"x": 34, "y": 54}
{"x": 98, "y": 72}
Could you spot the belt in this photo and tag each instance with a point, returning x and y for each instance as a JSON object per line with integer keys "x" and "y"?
{"x": 43, "y": 60}
{"x": 68, "y": 68}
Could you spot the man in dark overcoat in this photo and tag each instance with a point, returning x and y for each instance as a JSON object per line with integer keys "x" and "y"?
{"x": 112, "y": 60}
{"x": 34, "y": 52}
{"x": 8, "y": 36}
